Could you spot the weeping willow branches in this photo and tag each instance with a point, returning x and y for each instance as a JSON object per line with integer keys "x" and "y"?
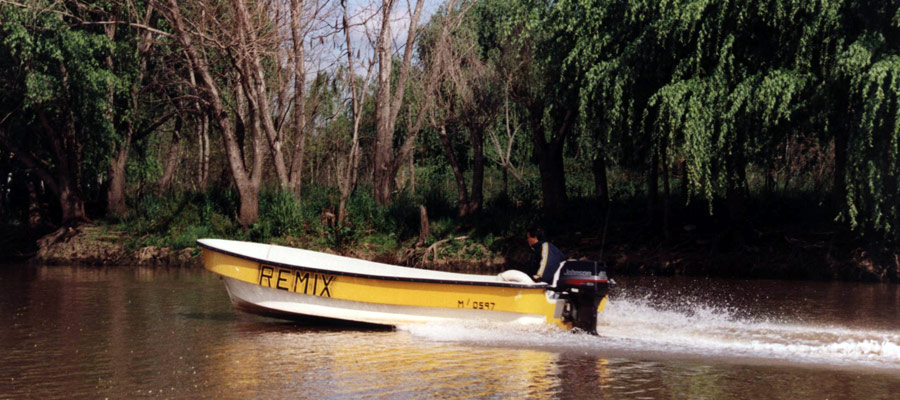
{"x": 719, "y": 87}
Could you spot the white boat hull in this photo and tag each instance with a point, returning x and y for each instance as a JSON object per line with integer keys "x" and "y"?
{"x": 265, "y": 301}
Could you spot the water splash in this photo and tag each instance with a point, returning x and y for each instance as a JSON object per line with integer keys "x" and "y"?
{"x": 639, "y": 327}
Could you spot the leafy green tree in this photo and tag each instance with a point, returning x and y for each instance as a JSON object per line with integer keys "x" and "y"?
{"x": 721, "y": 86}
{"x": 135, "y": 111}
{"x": 56, "y": 102}
{"x": 528, "y": 46}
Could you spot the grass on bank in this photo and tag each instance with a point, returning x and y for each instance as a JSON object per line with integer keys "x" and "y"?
{"x": 179, "y": 219}
{"x": 793, "y": 232}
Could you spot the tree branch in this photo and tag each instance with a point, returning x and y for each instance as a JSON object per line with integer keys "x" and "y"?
{"x": 146, "y": 130}
{"x": 83, "y": 22}
{"x": 32, "y": 162}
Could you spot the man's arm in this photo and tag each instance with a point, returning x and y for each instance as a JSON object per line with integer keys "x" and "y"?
{"x": 542, "y": 263}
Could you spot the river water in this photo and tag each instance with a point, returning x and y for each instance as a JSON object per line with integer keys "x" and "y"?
{"x": 131, "y": 332}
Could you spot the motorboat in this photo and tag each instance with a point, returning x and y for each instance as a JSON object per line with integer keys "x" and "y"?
{"x": 293, "y": 283}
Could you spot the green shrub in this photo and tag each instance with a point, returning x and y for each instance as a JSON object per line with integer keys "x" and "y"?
{"x": 280, "y": 215}
{"x": 178, "y": 220}
{"x": 187, "y": 236}
{"x": 315, "y": 200}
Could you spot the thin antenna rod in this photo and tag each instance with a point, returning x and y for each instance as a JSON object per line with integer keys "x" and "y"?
{"x": 605, "y": 225}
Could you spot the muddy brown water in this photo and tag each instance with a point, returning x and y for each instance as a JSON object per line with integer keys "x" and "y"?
{"x": 132, "y": 332}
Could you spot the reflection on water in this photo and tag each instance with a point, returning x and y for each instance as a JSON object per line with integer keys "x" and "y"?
{"x": 358, "y": 364}
{"x": 145, "y": 332}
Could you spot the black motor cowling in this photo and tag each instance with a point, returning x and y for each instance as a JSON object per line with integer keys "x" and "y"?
{"x": 583, "y": 284}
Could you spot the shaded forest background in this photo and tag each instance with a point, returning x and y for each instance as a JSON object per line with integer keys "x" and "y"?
{"x": 747, "y": 139}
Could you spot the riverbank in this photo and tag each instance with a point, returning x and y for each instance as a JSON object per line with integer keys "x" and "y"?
{"x": 771, "y": 255}
{"x": 101, "y": 245}
{"x": 96, "y": 245}
{"x": 768, "y": 251}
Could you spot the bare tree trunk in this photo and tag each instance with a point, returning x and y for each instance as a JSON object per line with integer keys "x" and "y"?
{"x": 172, "y": 158}
{"x": 348, "y": 177}
{"x": 35, "y": 218}
{"x": 72, "y": 204}
{"x": 505, "y": 181}
{"x": 299, "y": 151}
{"x": 424, "y": 227}
{"x": 388, "y": 102}
{"x": 202, "y": 135}
{"x": 248, "y": 211}
{"x": 432, "y": 83}
{"x": 115, "y": 193}
{"x": 203, "y": 148}
{"x": 246, "y": 179}
{"x": 476, "y": 135}
{"x": 505, "y": 153}
{"x": 412, "y": 173}
{"x": 68, "y": 179}
{"x": 254, "y": 82}
{"x": 553, "y": 181}
{"x": 384, "y": 130}
{"x": 462, "y": 191}
{"x": 69, "y": 173}
{"x": 550, "y": 160}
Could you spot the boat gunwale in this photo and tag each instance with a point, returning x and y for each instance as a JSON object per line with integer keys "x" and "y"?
{"x": 369, "y": 276}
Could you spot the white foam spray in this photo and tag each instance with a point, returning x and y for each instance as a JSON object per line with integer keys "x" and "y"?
{"x": 638, "y": 326}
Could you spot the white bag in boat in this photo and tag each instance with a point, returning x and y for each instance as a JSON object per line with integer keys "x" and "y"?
{"x": 513, "y": 275}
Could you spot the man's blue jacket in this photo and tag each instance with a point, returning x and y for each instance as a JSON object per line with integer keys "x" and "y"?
{"x": 545, "y": 260}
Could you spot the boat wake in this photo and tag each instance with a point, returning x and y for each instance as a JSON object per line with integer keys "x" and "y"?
{"x": 638, "y": 327}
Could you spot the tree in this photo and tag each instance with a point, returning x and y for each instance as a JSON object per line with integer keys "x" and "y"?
{"x": 348, "y": 170}
{"x": 459, "y": 94}
{"x": 128, "y": 58}
{"x": 388, "y": 102}
{"x": 535, "y": 47}
{"x": 503, "y": 148}
{"x": 303, "y": 15}
{"x": 700, "y": 84}
{"x": 246, "y": 169}
{"x": 54, "y": 116}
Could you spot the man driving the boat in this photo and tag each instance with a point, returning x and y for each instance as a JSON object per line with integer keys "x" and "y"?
{"x": 545, "y": 257}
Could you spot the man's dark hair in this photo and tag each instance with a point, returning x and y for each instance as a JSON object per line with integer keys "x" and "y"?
{"x": 536, "y": 232}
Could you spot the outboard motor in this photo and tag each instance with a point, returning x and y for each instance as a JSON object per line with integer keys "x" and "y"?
{"x": 583, "y": 284}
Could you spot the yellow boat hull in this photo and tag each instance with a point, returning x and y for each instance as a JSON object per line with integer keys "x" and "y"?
{"x": 400, "y": 296}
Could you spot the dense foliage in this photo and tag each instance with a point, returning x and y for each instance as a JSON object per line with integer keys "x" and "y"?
{"x": 725, "y": 88}
{"x": 703, "y": 109}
